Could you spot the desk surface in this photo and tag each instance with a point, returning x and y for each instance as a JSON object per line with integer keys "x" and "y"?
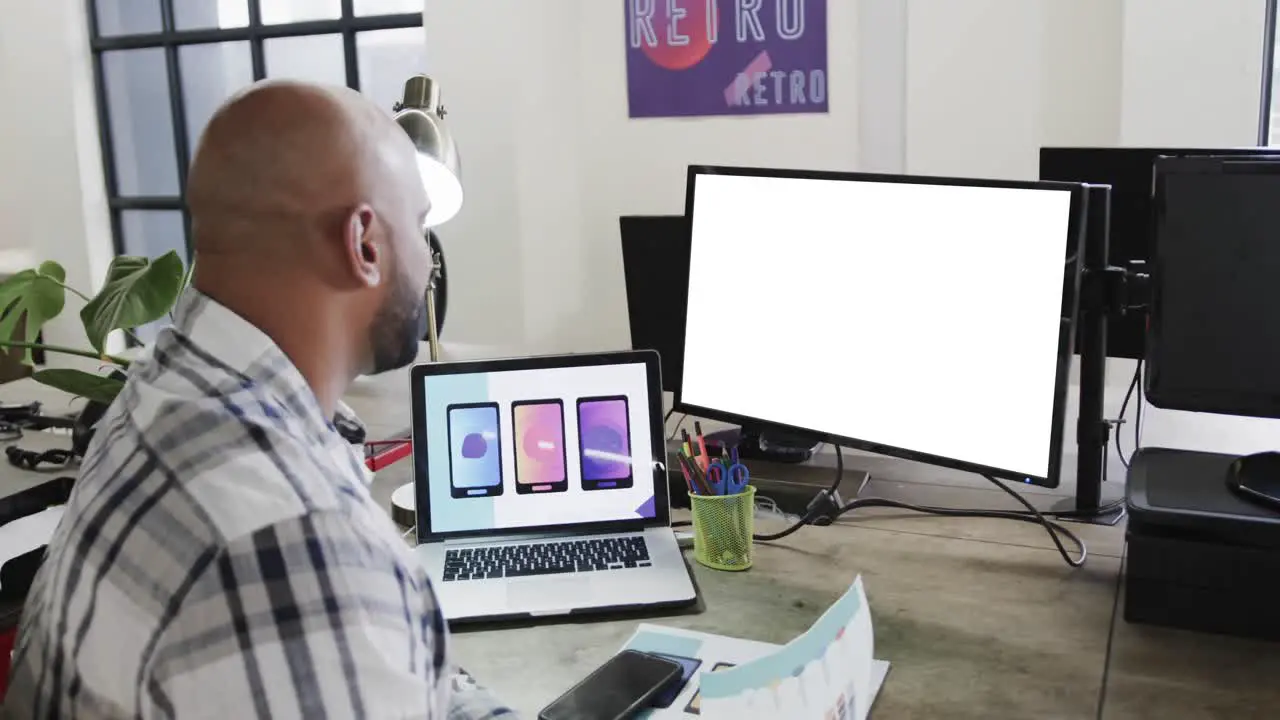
{"x": 980, "y": 618}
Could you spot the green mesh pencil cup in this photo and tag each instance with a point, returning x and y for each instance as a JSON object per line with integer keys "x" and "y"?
{"x": 722, "y": 529}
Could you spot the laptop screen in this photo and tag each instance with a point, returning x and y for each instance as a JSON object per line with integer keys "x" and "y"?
{"x": 538, "y": 447}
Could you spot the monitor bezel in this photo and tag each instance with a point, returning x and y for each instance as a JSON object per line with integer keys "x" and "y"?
{"x": 636, "y": 233}
{"x": 421, "y": 475}
{"x": 1157, "y": 393}
{"x": 1066, "y": 327}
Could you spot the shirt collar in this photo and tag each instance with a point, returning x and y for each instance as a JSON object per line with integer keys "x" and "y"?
{"x": 245, "y": 349}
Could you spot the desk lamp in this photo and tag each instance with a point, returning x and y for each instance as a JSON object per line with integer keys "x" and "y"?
{"x": 421, "y": 116}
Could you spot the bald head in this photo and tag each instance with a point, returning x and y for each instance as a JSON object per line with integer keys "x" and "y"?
{"x": 287, "y": 159}
{"x": 307, "y": 200}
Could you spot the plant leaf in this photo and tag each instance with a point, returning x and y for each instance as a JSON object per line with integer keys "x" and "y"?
{"x": 37, "y": 295}
{"x": 137, "y": 291}
{"x": 98, "y": 388}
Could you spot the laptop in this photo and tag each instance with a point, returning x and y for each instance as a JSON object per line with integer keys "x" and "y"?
{"x": 541, "y": 487}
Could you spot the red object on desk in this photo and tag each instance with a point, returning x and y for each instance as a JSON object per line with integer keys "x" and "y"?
{"x": 6, "y": 649}
{"x": 388, "y": 454}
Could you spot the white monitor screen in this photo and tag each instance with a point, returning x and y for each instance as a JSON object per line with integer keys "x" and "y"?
{"x": 915, "y": 317}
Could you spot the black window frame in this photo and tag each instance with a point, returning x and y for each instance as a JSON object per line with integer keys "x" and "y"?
{"x": 170, "y": 39}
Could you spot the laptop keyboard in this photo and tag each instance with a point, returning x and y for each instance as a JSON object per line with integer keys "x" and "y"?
{"x": 550, "y": 558}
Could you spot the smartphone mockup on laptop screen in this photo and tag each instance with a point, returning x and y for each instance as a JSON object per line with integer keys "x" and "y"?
{"x": 541, "y": 486}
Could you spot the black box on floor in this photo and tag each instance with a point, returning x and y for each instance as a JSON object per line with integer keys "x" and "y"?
{"x": 1199, "y": 557}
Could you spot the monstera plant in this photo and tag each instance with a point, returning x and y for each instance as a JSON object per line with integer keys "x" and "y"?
{"x": 137, "y": 291}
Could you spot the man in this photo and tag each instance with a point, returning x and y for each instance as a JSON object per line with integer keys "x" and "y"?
{"x": 221, "y": 555}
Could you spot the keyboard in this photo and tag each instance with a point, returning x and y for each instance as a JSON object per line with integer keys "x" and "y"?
{"x": 549, "y": 558}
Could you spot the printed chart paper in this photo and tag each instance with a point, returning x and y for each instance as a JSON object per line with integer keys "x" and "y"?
{"x": 828, "y": 673}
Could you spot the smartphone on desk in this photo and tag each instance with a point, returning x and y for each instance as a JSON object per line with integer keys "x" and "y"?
{"x": 617, "y": 690}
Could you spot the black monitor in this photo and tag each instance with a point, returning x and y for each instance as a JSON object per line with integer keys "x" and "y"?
{"x": 655, "y": 263}
{"x": 1129, "y": 173}
{"x": 1214, "y": 343}
{"x": 911, "y": 316}
{"x": 1214, "y": 339}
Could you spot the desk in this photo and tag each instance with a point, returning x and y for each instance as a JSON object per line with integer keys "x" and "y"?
{"x": 980, "y": 618}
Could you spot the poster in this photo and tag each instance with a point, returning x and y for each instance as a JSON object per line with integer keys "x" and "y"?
{"x": 689, "y": 58}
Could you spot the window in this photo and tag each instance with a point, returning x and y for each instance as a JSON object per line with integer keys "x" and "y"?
{"x": 164, "y": 66}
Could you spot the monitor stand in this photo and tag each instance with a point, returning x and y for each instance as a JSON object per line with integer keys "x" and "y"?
{"x": 1103, "y": 291}
{"x": 756, "y": 442}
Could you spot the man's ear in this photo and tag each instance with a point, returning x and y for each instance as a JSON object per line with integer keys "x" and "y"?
{"x": 364, "y": 247}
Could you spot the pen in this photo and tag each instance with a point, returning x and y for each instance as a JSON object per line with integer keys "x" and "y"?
{"x": 684, "y": 470}
{"x": 697, "y": 458}
{"x": 701, "y": 484}
{"x": 688, "y": 474}
{"x": 702, "y": 444}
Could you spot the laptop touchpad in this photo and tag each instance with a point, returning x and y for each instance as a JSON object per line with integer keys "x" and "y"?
{"x": 548, "y": 593}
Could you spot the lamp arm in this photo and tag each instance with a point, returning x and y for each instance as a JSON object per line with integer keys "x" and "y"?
{"x": 437, "y": 295}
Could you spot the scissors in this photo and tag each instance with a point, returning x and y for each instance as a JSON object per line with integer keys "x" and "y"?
{"x": 729, "y": 479}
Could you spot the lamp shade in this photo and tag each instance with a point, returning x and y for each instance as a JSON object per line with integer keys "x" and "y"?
{"x": 422, "y": 117}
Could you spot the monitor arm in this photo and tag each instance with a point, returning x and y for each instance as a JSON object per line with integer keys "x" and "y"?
{"x": 1105, "y": 291}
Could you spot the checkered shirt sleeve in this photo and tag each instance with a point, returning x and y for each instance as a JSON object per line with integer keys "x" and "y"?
{"x": 221, "y": 557}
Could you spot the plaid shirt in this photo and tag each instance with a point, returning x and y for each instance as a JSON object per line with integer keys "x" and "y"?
{"x": 221, "y": 557}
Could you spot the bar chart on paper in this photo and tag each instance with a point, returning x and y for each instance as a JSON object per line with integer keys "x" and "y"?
{"x": 827, "y": 673}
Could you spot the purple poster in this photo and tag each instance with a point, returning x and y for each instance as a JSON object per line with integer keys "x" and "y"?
{"x": 726, "y": 57}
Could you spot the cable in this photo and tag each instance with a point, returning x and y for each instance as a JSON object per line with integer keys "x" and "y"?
{"x": 10, "y": 431}
{"x": 676, "y": 430}
{"x": 1137, "y": 423}
{"x": 1030, "y": 515}
{"x": 819, "y": 503}
{"x": 1050, "y": 527}
{"x": 32, "y": 460}
{"x": 1124, "y": 409}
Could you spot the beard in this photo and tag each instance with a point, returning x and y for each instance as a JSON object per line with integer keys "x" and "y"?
{"x": 400, "y": 323}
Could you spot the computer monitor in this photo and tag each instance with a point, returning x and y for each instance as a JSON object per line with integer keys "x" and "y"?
{"x": 911, "y": 316}
{"x": 1129, "y": 173}
{"x": 1214, "y": 342}
{"x": 655, "y": 263}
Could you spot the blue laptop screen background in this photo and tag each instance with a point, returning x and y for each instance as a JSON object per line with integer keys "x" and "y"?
{"x": 528, "y": 471}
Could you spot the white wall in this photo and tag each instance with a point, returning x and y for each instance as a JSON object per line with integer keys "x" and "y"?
{"x": 52, "y": 198}
{"x": 551, "y": 160}
{"x": 928, "y": 86}
{"x": 990, "y": 81}
{"x": 537, "y": 94}
{"x": 1195, "y": 82}
{"x": 1192, "y": 72}
{"x": 925, "y": 86}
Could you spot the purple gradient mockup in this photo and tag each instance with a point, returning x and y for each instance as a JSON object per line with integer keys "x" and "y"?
{"x": 539, "y": 437}
{"x": 475, "y": 461}
{"x": 605, "y": 437}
